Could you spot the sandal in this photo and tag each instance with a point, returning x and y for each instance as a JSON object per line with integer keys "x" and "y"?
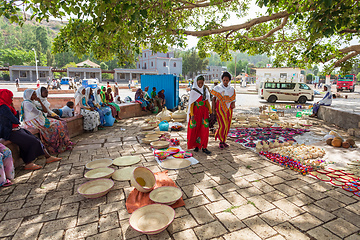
{"x": 52, "y": 159}
{"x": 33, "y": 167}
{"x": 226, "y": 145}
{"x": 8, "y": 183}
{"x": 221, "y": 146}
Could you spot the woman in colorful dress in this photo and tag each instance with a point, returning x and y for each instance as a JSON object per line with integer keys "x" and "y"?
{"x": 110, "y": 101}
{"x": 223, "y": 103}
{"x": 11, "y": 132}
{"x": 6, "y": 166}
{"x": 105, "y": 100}
{"x": 101, "y": 108}
{"x": 326, "y": 100}
{"x": 161, "y": 96}
{"x": 139, "y": 97}
{"x": 91, "y": 117}
{"x": 90, "y": 100}
{"x": 53, "y": 133}
{"x": 198, "y": 116}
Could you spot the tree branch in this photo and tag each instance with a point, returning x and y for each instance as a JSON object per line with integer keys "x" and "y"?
{"x": 199, "y": 4}
{"x": 285, "y": 41}
{"x": 271, "y": 32}
{"x": 349, "y": 31}
{"x": 344, "y": 59}
{"x": 246, "y": 25}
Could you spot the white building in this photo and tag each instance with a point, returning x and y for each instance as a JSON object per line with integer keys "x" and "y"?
{"x": 123, "y": 75}
{"x": 28, "y": 73}
{"x": 290, "y": 74}
{"x": 84, "y": 73}
{"x": 163, "y": 63}
{"x": 214, "y": 72}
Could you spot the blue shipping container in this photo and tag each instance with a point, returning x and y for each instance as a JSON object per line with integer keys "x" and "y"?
{"x": 169, "y": 83}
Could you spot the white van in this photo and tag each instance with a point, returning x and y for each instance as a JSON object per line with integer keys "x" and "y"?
{"x": 281, "y": 90}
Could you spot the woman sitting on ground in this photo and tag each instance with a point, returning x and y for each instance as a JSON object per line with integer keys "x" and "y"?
{"x": 91, "y": 117}
{"x": 42, "y": 93}
{"x": 53, "y": 133}
{"x": 139, "y": 97}
{"x": 10, "y": 132}
{"x": 161, "y": 95}
{"x": 326, "y": 101}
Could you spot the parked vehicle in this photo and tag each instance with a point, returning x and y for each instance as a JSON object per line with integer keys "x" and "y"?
{"x": 93, "y": 83}
{"x": 282, "y": 90}
{"x": 65, "y": 80}
{"x": 346, "y": 82}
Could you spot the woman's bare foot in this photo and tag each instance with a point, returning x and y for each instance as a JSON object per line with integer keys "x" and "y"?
{"x": 32, "y": 166}
{"x": 52, "y": 159}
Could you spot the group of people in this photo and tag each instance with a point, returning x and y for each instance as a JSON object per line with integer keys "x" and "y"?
{"x": 152, "y": 101}
{"x": 205, "y": 108}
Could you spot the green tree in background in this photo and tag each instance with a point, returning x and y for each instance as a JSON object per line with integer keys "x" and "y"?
{"x": 241, "y": 66}
{"x": 192, "y": 63}
{"x": 103, "y": 66}
{"x": 315, "y": 70}
{"x": 9, "y": 57}
{"x": 70, "y": 64}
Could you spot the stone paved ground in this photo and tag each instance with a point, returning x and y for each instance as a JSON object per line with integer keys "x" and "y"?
{"x": 232, "y": 194}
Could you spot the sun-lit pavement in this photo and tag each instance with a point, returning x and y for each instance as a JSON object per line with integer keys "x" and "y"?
{"x": 232, "y": 194}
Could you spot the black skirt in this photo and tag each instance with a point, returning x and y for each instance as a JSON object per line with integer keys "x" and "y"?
{"x": 30, "y": 146}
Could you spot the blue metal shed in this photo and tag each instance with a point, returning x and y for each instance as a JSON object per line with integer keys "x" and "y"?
{"x": 169, "y": 83}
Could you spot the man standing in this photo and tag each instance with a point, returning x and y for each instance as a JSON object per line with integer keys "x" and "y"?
{"x": 17, "y": 81}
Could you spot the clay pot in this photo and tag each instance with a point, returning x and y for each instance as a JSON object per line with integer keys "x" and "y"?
{"x": 336, "y": 142}
{"x": 350, "y": 141}
{"x": 345, "y": 145}
{"x": 329, "y": 141}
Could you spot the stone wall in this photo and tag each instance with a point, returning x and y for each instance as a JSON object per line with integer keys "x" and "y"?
{"x": 339, "y": 117}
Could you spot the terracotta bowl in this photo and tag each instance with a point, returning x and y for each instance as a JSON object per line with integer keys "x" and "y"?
{"x": 152, "y": 219}
{"x": 96, "y": 173}
{"x": 166, "y": 195}
{"x": 99, "y": 163}
{"x": 143, "y": 179}
{"x": 96, "y": 188}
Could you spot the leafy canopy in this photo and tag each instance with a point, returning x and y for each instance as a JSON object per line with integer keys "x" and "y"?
{"x": 296, "y": 32}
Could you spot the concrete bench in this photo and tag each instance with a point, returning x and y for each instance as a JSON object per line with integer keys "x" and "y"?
{"x": 339, "y": 117}
{"x": 52, "y": 91}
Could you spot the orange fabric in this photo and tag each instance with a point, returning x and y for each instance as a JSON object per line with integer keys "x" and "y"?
{"x": 223, "y": 99}
{"x": 138, "y": 199}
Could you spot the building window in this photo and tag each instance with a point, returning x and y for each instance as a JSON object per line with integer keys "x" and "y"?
{"x": 174, "y": 64}
{"x": 134, "y": 75}
{"x": 42, "y": 74}
{"x": 167, "y": 55}
{"x": 139, "y": 65}
{"x": 144, "y": 65}
{"x": 77, "y": 74}
{"x": 122, "y": 75}
{"x": 145, "y": 55}
{"x": 152, "y": 64}
{"x": 164, "y": 64}
{"x": 92, "y": 75}
{"x": 23, "y": 74}
{"x": 217, "y": 75}
{"x": 283, "y": 75}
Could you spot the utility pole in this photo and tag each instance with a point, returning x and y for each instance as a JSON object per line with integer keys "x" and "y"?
{"x": 235, "y": 72}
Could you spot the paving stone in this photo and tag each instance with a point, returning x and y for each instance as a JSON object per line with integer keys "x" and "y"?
{"x": 201, "y": 215}
{"x": 129, "y": 233}
{"x": 348, "y": 216}
{"x": 249, "y": 192}
{"x": 318, "y": 212}
{"x": 123, "y": 214}
{"x": 191, "y": 191}
{"x": 287, "y": 230}
{"x": 20, "y": 213}
{"x": 219, "y": 206}
{"x": 92, "y": 203}
{"x": 9, "y": 227}
{"x": 329, "y": 204}
{"x": 68, "y": 210}
{"x": 289, "y": 208}
{"x": 241, "y": 182}
{"x": 355, "y": 236}
{"x": 195, "y": 201}
{"x": 243, "y": 234}
{"x": 50, "y": 205}
{"x": 30, "y": 231}
{"x": 275, "y": 217}
{"x": 253, "y": 177}
{"x": 305, "y": 222}
{"x": 61, "y": 224}
{"x": 8, "y": 206}
{"x": 263, "y": 186}
{"x": 274, "y": 180}
{"x": 227, "y": 187}
{"x": 312, "y": 193}
{"x": 277, "y": 237}
{"x": 322, "y": 233}
{"x": 354, "y": 207}
{"x": 289, "y": 191}
{"x": 210, "y": 230}
{"x": 58, "y": 235}
{"x": 88, "y": 216}
{"x": 181, "y": 211}
{"x": 185, "y": 235}
{"x": 112, "y": 207}
{"x": 111, "y": 234}
{"x": 260, "y": 227}
{"x": 164, "y": 235}
{"x": 43, "y": 217}
{"x": 235, "y": 198}
{"x": 341, "y": 227}
{"x": 108, "y": 221}
{"x": 81, "y": 231}
{"x": 34, "y": 200}
{"x": 212, "y": 194}
{"x": 230, "y": 221}
{"x": 273, "y": 196}
{"x": 261, "y": 203}
{"x": 115, "y": 196}
{"x": 340, "y": 197}
{"x": 300, "y": 199}
{"x": 322, "y": 186}
{"x": 245, "y": 211}
{"x": 182, "y": 223}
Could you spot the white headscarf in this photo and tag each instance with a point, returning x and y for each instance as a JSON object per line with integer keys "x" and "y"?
{"x": 225, "y": 91}
{"x": 97, "y": 96}
{"x": 29, "y": 109}
{"x": 28, "y": 93}
{"x": 79, "y": 95}
{"x": 44, "y": 101}
{"x": 327, "y": 99}
{"x": 194, "y": 95}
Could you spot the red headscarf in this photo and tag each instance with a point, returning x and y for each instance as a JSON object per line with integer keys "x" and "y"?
{"x": 6, "y": 99}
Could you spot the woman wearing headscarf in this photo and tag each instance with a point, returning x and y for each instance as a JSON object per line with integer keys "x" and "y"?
{"x": 223, "y": 103}
{"x": 139, "y": 97}
{"x": 42, "y": 93}
{"x": 110, "y": 102}
{"x": 326, "y": 101}
{"x": 11, "y": 132}
{"x": 90, "y": 100}
{"x": 198, "y": 116}
{"x": 100, "y": 107}
{"x": 104, "y": 100}
{"x": 53, "y": 133}
{"x": 91, "y": 117}
{"x": 161, "y": 96}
